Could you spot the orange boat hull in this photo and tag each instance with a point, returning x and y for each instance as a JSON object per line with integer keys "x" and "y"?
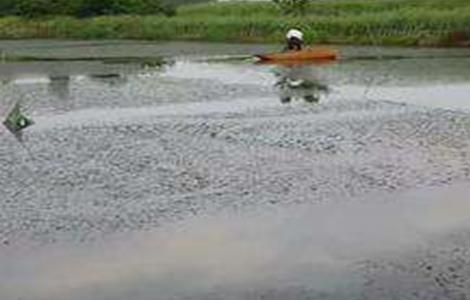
{"x": 302, "y": 55}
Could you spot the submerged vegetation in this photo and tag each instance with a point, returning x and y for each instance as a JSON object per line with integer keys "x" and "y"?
{"x": 384, "y": 22}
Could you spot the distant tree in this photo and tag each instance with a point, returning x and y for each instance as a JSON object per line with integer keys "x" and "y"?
{"x": 292, "y": 7}
{"x": 151, "y": 7}
{"x": 87, "y": 8}
{"x": 183, "y": 2}
{"x": 7, "y": 7}
{"x": 90, "y": 8}
{"x": 37, "y": 8}
{"x": 32, "y": 8}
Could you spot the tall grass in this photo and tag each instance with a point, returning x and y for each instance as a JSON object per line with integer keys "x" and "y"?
{"x": 385, "y": 22}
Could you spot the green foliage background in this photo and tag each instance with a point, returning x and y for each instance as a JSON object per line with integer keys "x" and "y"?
{"x": 378, "y": 22}
{"x": 292, "y": 7}
{"x": 89, "y": 8}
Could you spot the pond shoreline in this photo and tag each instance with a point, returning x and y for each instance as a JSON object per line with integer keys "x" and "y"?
{"x": 346, "y": 22}
{"x": 64, "y": 28}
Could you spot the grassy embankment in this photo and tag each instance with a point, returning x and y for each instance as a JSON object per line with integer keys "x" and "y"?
{"x": 384, "y": 22}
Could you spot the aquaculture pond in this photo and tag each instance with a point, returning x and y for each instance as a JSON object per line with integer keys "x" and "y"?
{"x": 192, "y": 171}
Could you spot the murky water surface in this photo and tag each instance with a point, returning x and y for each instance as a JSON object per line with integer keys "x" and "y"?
{"x": 189, "y": 171}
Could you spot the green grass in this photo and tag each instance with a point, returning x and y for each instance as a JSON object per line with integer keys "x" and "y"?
{"x": 380, "y": 22}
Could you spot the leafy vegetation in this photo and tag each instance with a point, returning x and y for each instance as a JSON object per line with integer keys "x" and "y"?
{"x": 385, "y": 22}
{"x": 87, "y": 8}
{"x": 292, "y": 7}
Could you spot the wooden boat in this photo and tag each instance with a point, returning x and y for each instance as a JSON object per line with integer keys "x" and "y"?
{"x": 308, "y": 54}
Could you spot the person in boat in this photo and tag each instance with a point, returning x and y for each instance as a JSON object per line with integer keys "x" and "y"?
{"x": 295, "y": 40}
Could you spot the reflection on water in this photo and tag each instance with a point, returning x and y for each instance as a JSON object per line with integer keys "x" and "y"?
{"x": 297, "y": 253}
{"x": 53, "y": 86}
{"x": 274, "y": 200}
{"x": 297, "y": 82}
{"x": 111, "y": 80}
{"x": 422, "y": 80}
{"x": 59, "y": 86}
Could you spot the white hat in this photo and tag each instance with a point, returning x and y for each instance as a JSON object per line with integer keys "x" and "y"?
{"x": 294, "y": 33}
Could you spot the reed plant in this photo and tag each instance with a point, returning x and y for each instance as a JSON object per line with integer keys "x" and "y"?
{"x": 381, "y": 22}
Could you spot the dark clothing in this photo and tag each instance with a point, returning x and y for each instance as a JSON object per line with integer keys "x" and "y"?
{"x": 294, "y": 44}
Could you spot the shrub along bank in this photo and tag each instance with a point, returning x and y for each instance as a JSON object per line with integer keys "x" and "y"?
{"x": 379, "y": 22}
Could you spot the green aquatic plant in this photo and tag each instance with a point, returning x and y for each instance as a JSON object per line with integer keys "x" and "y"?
{"x": 16, "y": 120}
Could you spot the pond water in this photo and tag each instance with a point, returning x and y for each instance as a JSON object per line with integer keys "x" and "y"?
{"x": 191, "y": 171}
